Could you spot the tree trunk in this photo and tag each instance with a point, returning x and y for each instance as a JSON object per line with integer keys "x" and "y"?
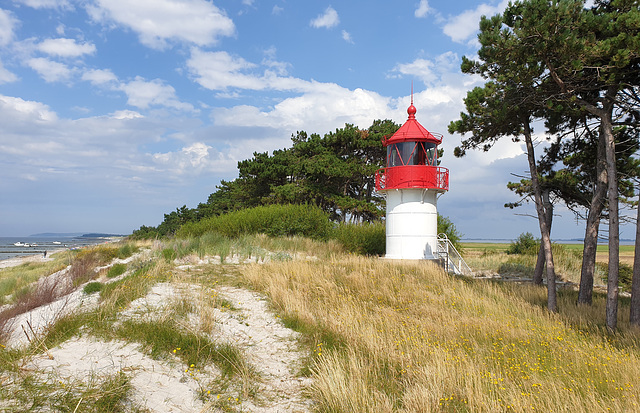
{"x": 634, "y": 315}
{"x": 548, "y": 209}
{"x": 606, "y": 129}
{"x": 537, "y": 273}
{"x": 614, "y": 230}
{"x": 552, "y": 303}
{"x": 593, "y": 223}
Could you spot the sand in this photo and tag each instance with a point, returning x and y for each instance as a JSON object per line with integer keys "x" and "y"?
{"x": 164, "y": 385}
{"x": 15, "y": 261}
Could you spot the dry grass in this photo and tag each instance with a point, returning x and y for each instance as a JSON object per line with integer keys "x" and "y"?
{"x": 407, "y": 337}
{"x": 567, "y": 262}
{"x": 397, "y": 337}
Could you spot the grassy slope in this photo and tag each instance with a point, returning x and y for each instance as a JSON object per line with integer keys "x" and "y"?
{"x": 386, "y": 336}
{"x": 392, "y": 336}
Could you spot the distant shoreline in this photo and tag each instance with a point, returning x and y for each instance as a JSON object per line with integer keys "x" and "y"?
{"x": 558, "y": 241}
{"x": 17, "y": 247}
{"x": 23, "y": 259}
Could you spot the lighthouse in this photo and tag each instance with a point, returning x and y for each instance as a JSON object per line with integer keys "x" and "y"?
{"x": 412, "y": 182}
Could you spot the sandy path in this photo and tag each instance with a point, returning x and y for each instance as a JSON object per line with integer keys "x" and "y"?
{"x": 164, "y": 385}
{"x": 158, "y": 386}
{"x": 270, "y": 346}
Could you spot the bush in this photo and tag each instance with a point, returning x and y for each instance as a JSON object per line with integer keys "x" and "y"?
{"x": 92, "y": 287}
{"x": 524, "y": 244}
{"x": 365, "y": 238}
{"x": 445, "y": 226}
{"x": 116, "y": 269}
{"x": 127, "y": 250}
{"x": 169, "y": 254}
{"x": 273, "y": 220}
{"x": 625, "y": 274}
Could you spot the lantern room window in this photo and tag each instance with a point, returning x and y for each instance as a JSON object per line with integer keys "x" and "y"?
{"x": 412, "y": 153}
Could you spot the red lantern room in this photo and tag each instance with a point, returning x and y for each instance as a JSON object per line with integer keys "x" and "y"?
{"x": 412, "y": 159}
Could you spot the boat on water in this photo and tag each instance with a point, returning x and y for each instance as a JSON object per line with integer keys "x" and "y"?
{"x": 24, "y": 244}
{"x": 56, "y": 242}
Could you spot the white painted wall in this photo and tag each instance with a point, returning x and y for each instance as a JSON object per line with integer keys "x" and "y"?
{"x": 412, "y": 223}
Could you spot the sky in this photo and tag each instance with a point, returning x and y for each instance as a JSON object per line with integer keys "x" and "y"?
{"x": 113, "y": 113}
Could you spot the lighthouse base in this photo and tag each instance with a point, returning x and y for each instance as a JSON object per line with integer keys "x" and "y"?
{"x": 412, "y": 224}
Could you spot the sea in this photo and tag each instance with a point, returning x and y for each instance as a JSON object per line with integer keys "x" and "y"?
{"x": 11, "y": 247}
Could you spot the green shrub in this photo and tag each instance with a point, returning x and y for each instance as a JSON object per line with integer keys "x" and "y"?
{"x": 101, "y": 254}
{"x": 524, "y": 244}
{"x": 169, "y": 254}
{"x": 625, "y": 274}
{"x": 273, "y": 220}
{"x": 116, "y": 269}
{"x": 365, "y": 238}
{"x": 127, "y": 250}
{"x": 446, "y": 226}
{"x": 92, "y": 287}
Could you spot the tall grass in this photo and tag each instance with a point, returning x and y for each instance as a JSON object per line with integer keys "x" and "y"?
{"x": 247, "y": 246}
{"x": 365, "y": 238}
{"x": 16, "y": 279}
{"x": 407, "y": 338}
{"x": 277, "y": 221}
{"x": 567, "y": 262}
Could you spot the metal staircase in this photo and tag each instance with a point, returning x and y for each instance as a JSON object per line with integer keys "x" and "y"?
{"x": 450, "y": 258}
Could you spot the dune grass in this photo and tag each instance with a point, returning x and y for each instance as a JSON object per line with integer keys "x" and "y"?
{"x": 407, "y": 337}
{"x": 567, "y": 260}
{"x": 382, "y": 336}
{"x": 14, "y": 281}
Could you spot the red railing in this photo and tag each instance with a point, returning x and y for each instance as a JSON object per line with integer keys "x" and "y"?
{"x": 412, "y": 176}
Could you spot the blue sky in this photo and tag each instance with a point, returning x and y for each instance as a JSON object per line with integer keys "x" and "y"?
{"x": 113, "y": 112}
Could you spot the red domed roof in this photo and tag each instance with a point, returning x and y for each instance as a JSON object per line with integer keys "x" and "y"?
{"x": 413, "y": 131}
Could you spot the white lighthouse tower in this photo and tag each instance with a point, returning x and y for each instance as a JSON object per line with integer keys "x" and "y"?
{"x": 412, "y": 182}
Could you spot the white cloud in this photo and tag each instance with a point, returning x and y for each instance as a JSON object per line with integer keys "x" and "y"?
{"x": 18, "y": 109}
{"x": 140, "y": 92}
{"x": 323, "y": 107}
{"x": 461, "y": 28}
{"x": 423, "y": 9}
{"x": 276, "y": 10}
{"x": 7, "y": 24}
{"x": 46, "y": 4}
{"x": 143, "y": 94}
{"x": 66, "y": 47}
{"x": 270, "y": 61}
{"x": 346, "y": 36}
{"x": 159, "y": 21}
{"x": 193, "y": 160}
{"x": 427, "y": 71}
{"x": 327, "y": 20}
{"x": 220, "y": 70}
{"x": 49, "y": 70}
{"x": 126, "y": 114}
{"x": 99, "y": 76}
{"x": 420, "y": 68}
{"x": 6, "y": 76}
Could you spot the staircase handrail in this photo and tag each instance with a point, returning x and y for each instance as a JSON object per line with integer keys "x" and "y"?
{"x": 452, "y": 253}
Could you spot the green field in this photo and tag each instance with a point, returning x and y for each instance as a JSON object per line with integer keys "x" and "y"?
{"x": 475, "y": 249}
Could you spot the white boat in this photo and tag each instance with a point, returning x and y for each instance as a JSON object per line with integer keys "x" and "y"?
{"x": 56, "y": 242}
{"x": 20, "y": 244}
